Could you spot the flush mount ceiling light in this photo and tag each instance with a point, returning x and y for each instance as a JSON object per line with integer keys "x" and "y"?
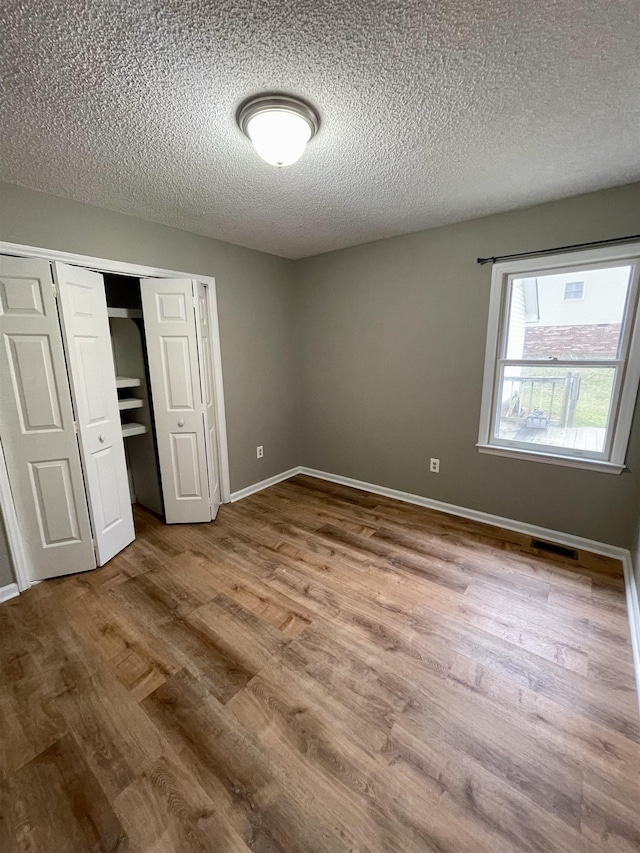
{"x": 278, "y": 126}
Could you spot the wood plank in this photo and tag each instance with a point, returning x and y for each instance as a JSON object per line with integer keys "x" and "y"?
{"x": 322, "y": 670}
{"x": 244, "y": 778}
{"x": 165, "y": 809}
{"x": 192, "y": 642}
{"x": 56, "y": 803}
{"x": 140, "y": 665}
{"x": 564, "y": 732}
{"x": 470, "y": 796}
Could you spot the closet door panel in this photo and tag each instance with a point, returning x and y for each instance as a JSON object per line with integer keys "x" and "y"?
{"x": 87, "y": 340}
{"x": 33, "y": 379}
{"x": 53, "y": 491}
{"x": 172, "y": 350}
{"x": 184, "y": 455}
{"x": 203, "y": 326}
{"x": 37, "y": 426}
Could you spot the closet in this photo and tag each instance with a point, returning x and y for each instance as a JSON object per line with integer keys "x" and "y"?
{"x": 124, "y": 310}
{"x": 106, "y": 398}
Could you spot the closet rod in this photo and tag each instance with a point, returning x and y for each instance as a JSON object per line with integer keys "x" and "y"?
{"x": 559, "y": 249}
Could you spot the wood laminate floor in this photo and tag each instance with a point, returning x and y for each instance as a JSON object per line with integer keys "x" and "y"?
{"x": 321, "y": 670}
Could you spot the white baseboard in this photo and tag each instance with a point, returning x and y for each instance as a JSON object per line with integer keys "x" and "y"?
{"x": 263, "y": 484}
{"x": 632, "y": 583}
{"x": 632, "y": 586}
{"x": 9, "y": 591}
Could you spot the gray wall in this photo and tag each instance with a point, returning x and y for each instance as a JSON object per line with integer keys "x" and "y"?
{"x": 255, "y": 303}
{"x": 367, "y": 361}
{"x": 6, "y": 567}
{"x": 391, "y": 338}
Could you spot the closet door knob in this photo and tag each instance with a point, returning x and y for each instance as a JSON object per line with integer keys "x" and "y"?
{"x": 180, "y": 423}
{"x": 101, "y": 439}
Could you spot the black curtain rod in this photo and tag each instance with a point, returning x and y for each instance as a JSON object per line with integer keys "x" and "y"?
{"x": 558, "y": 249}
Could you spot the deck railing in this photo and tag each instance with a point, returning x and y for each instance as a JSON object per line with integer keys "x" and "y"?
{"x": 541, "y": 401}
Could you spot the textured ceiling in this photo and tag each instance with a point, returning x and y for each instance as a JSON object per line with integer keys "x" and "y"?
{"x": 431, "y": 111}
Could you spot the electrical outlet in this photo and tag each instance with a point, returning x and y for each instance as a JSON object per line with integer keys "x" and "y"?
{"x": 434, "y": 466}
{"x": 259, "y": 451}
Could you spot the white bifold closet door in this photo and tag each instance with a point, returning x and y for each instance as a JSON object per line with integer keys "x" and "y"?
{"x": 169, "y": 316}
{"x": 85, "y": 329}
{"x": 37, "y": 425}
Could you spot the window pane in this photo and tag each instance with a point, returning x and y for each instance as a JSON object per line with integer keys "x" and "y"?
{"x": 556, "y": 406}
{"x": 568, "y": 315}
{"x": 574, "y": 290}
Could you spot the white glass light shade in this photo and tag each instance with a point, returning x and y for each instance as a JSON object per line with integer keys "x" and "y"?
{"x": 279, "y": 136}
{"x": 279, "y": 126}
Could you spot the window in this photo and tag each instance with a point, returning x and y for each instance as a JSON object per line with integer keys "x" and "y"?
{"x": 574, "y": 290}
{"x": 563, "y": 358}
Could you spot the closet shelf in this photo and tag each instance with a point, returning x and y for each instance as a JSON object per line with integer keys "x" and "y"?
{"x": 125, "y": 313}
{"x": 127, "y": 382}
{"x": 130, "y": 403}
{"x": 133, "y": 429}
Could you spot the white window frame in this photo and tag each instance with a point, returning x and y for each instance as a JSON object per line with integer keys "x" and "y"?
{"x": 625, "y": 390}
{"x": 566, "y": 298}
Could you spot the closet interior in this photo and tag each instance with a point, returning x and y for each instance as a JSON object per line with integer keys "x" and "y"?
{"x": 124, "y": 309}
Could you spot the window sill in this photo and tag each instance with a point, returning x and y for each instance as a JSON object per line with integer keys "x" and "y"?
{"x": 552, "y": 458}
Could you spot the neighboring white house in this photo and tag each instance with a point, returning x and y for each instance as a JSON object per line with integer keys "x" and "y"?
{"x": 593, "y": 297}
{"x": 568, "y": 315}
{"x": 593, "y": 300}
